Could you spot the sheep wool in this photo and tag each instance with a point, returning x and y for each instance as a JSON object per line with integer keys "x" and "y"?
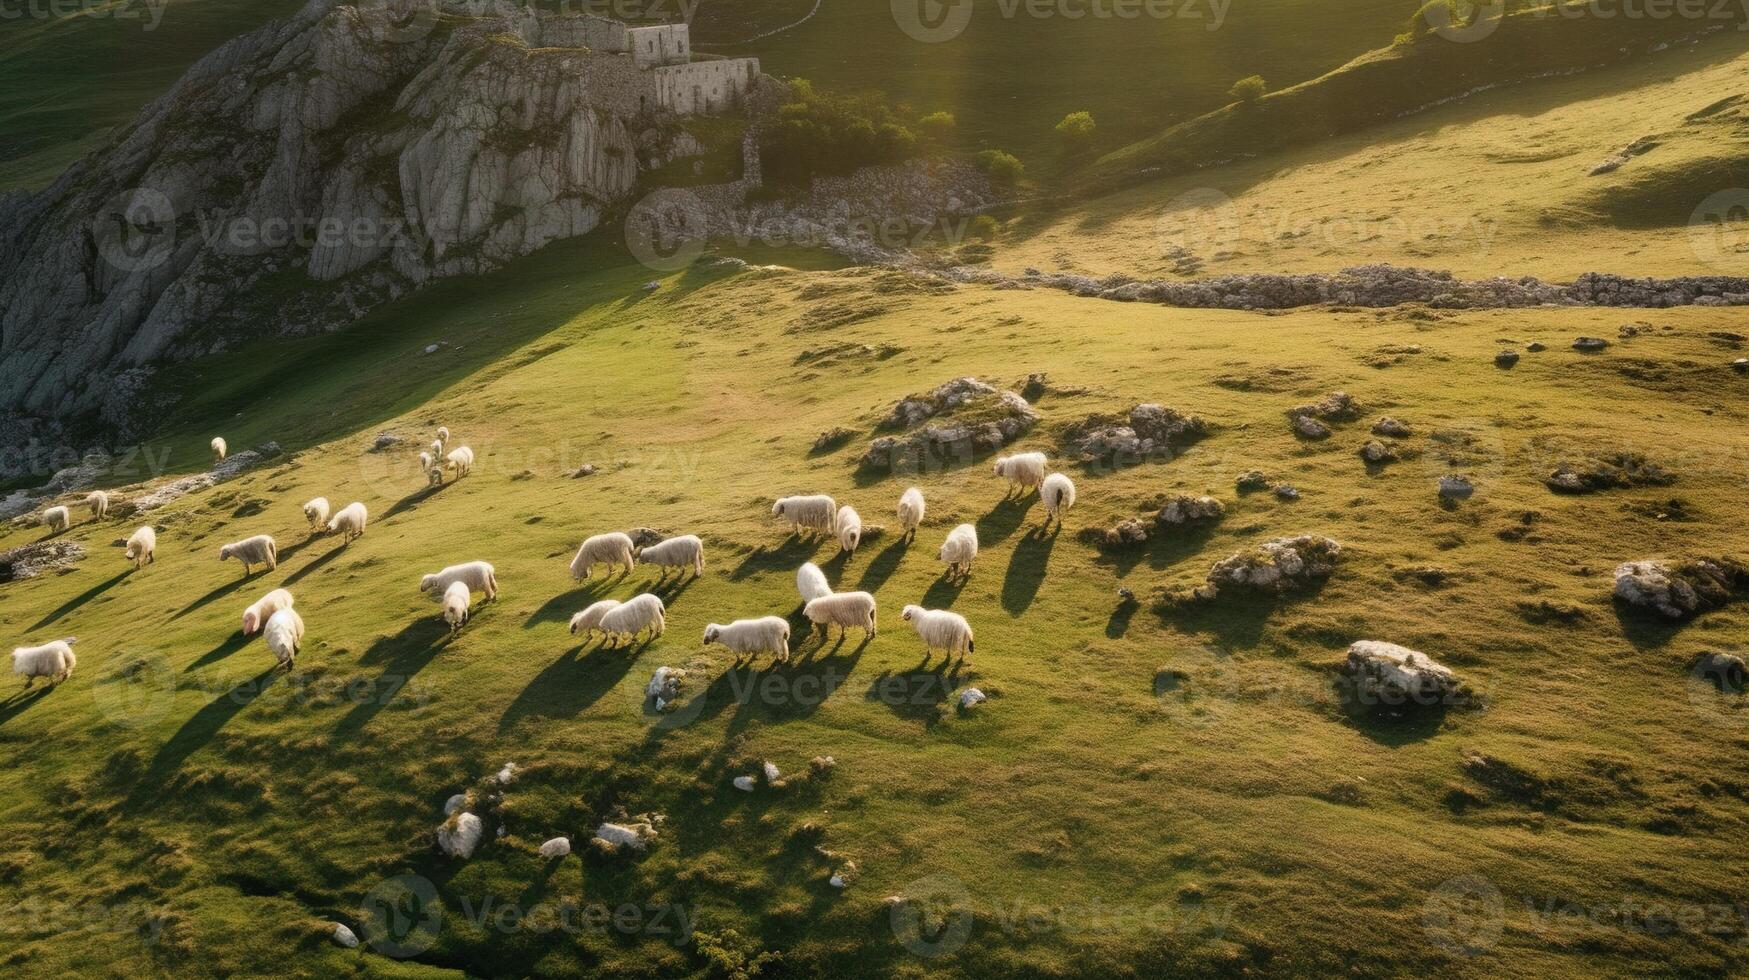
{"x": 263, "y": 609}
{"x": 460, "y": 459}
{"x": 959, "y": 549}
{"x": 843, "y": 610}
{"x": 52, "y": 660}
{"x": 98, "y": 501}
{"x": 676, "y": 552}
{"x": 811, "y": 582}
{"x": 813, "y": 513}
{"x": 437, "y": 448}
{"x": 940, "y": 630}
{"x": 455, "y": 605}
{"x": 316, "y": 514}
{"x": 349, "y": 522}
{"x": 443, "y": 434}
{"x": 58, "y": 519}
{"x": 613, "y": 548}
{"x": 258, "y": 550}
{"x": 635, "y": 615}
{"x": 847, "y": 528}
{"x": 589, "y": 620}
{"x": 479, "y": 576}
{"x": 284, "y": 635}
{"x": 220, "y": 450}
{"x": 1022, "y": 470}
{"x": 910, "y": 511}
{"x": 767, "y": 634}
{"x": 1058, "y": 494}
{"x": 141, "y": 544}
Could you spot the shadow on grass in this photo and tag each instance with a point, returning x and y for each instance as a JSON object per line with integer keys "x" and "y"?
{"x": 416, "y": 498}
{"x": 1236, "y": 619}
{"x": 560, "y": 608}
{"x": 199, "y": 729}
{"x": 1026, "y": 569}
{"x": 1004, "y": 518}
{"x": 402, "y": 656}
{"x": 1391, "y": 725}
{"x": 943, "y": 591}
{"x": 569, "y": 685}
{"x": 231, "y": 644}
{"x": 1119, "y": 623}
{"x": 215, "y": 595}
{"x": 670, "y": 589}
{"x": 15, "y": 705}
{"x": 325, "y": 558}
{"x": 1166, "y": 546}
{"x": 787, "y": 556}
{"x": 884, "y": 565}
{"x": 918, "y": 694}
{"x": 81, "y": 599}
{"x": 1645, "y": 630}
{"x": 790, "y": 691}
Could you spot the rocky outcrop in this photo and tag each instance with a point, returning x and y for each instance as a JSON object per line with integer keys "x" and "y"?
{"x": 973, "y": 419}
{"x": 1388, "y": 674}
{"x": 1279, "y": 565}
{"x": 31, "y": 560}
{"x": 1679, "y": 590}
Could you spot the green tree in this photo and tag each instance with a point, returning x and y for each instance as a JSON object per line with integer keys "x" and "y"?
{"x": 1076, "y": 128}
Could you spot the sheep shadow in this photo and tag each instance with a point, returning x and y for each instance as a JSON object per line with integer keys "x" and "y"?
{"x": 416, "y": 498}
{"x": 569, "y": 685}
{"x": 231, "y": 644}
{"x": 326, "y": 557}
{"x": 789, "y": 555}
{"x": 198, "y": 730}
{"x": 1119, "y": 623}
{"x": 81, "y": 599}
{"x": 834, "y": 566}
{"x": 215, "y": 595}
{"x": 671, "y": 589}
{"x": 287, "y": 554}
{"x": 16, "y": 705}
{"x": 918, "y": 694}
{"x": 561, "y": 607}
{"x": 884, "y": 565}
{"x": 402, "y": 656}
{"x": 1004, "y": 518}
{"x": 944, "y": 590}
{"x": 1026, "y": 569}
{"x": 791, "y": 691}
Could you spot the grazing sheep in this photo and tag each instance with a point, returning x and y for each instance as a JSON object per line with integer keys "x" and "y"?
{"x": 910, "y": 511}
{"x": 455, "y": 605}
{"x": 847, "y": 528}
{"x": 634, "y": 616}
{"x": 959, "y": 549}
{"x": 220, "y": 450}
{"x": 677, "y": 552}
{"x": 843, "y": 610}
{"x": 941, "y": 630}
{"x": 1058, "y": 494}
{"x": 811, "y": 582}
{"x": 1023, "y": 470}
{"x": 263, "y": 609}
{"x": 767, "y": 634}
{"x": 589, "y": 620}
{"x": 98, "y": 501}
{"x": 443, "y": 434}
{"x": 58, "y": 519}
{"x": 479, "y": 576}
{"x": 52, "y": 660}
{"x": 813, "y": 513}
{"x": 284, "y": 635}
{"x": 141, "y": 545}
{"x": 460, "y": 459}
{"x": 437, "y": 448}
{"x": 258, "y": 550}
{"x": 613, "y": 548}
{"x": 349, "y": 522}
{"x": 316, "y": 513}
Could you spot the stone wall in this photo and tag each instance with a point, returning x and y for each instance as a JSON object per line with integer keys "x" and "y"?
{"x": 704, "y": 86}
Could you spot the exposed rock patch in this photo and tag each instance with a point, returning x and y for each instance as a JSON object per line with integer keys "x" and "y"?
{"x": 1611, "y": 472}
{"x": 1149, "y": 432}
{"x": 1679, "y": 590}
{"x": 981, "y": 421}
{"x": 1388, "y": 675}
{"x": 31, "y": 560}
{"x": 1279, "y": 565}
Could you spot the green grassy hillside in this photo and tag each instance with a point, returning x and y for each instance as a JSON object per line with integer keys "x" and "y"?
{"x": 1147, "y": 792}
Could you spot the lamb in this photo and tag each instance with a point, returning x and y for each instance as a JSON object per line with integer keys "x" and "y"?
{"x": 479, "y": 576}
{"x": 814, "y": 513}
{"x": 634, "y": 616}
{"x": 847, "y": 528}
{"x": 613, "y": 548}
{"x": 349, "y": 522}
{"x": 959, "y": 549}
{"x": 141, "y": 545}
{"x": 1058, "y": 494}
{"x": 1023, "y": 470}
{"x": 52, "y": 660}
{"x": 220, "y": 450}
{"x": 767, "y": 634}
{"x": 98, "y": 501}
{"x": 258, "y": 550}
{"x": 940, "y": 629}
{"x": 460, "y": 459}
{"x": 910, "y": 511}
{"x": 263, "y": 609}
{"x": 589, "y": 620}
{"x": 455, "y": 605}
{"x": 677, "y": 552}
{"x": 284, "y": 635}
{"x": 58, "y": 519}
{"x": 811, "y": 582}
{"x": 843, "y": 610}
{"x": 316, "y": 513}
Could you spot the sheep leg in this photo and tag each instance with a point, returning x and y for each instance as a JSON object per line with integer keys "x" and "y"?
{"x": 28, "y": 681}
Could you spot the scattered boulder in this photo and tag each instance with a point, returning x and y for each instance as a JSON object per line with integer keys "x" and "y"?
{"x": 1679, "y": 590}
{"x": 31, "y": 560}
{"x": 1456, "y": 486}
{"x": 1385, "y": 673}
{"x": 1278, "y": 565}
{"x": 633, "y": 835}
{"x": 1740, "y": 365}
{"x": 1536, "y": 347}
{"x": 971, "y": 697}
{"x": 832, "y": 438}
{"x": 1590, "y": 344}
{"x": 1185, "y": 509}
{"x": 1390, "y": 427}
{"x": 1126, "y": 533}
{"x": 1337, "y": 406}
{"x": 1287, "y": 492}
{"x": 385, "y": 440}
{"x": 587, "y": 469}
{"x": 1506, "y": 358}
{"x": 344, "y": 937}
{"x": 745, "y": 784}
{"x": 915, "y": 409}
{"x": 1609, "y": 472}
{"x": 459, "y": 835}
{"x": 558, "y": 847}
{"x": 1627, "y": 330}
{"x": 1252, "y": 481}
{"x": 1378, "y": 453}
{"x": 1149, "y": 430}
{"x": 984, "y": 421}
{"x": 1309, "y": 427}
{"x": 664, "y": 686}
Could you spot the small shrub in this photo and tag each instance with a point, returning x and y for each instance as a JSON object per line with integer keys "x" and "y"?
{"x": 1248, "y": 89}
{"x": 938, "y": 126}
{"x": 1076, "y": 127}
{"x": 1003, "y": 167}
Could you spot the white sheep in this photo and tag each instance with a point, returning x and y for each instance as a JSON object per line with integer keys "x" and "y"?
{"x": 316, "y": 513}
{"x": 814, "y": 513}
{"x": 767, "y": 634}
{"x": 811, "y": 582}
{"x": 263, "y": 609}
{"x": 52, "y": 660}
{"x": 220, "y": 450}
{"x": 843, "y": 610}
{"x": 460, "y": 459}
{"x": 676, "y": 552}
{"x": 847, "y": 528}
{"x": 455, "y": 605}
{"x": 1022, "y": 470}
{"x": 258, "y": 550}
{"x": 98, "y": 501}
{"x": 349, "y": 522}
{"x": 284, "y": 635}
{"x": 437, "y": 448}
{"x": 959, "y": 549}
{"x": 443, "y": 434}
{"x": 940, "y": 629}
{"x": 428, "y": 466}
{"x": 910, "y": 511}
{"x": 479, "y": 576}
{"x": 141, "y": 544}
{"x": 613, "y": 548}
{"x": 58, "y": 519}
{"x": 634, "y": 616}
{"x": 589, "y": 620}
{"x": 1058, "y": 494}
